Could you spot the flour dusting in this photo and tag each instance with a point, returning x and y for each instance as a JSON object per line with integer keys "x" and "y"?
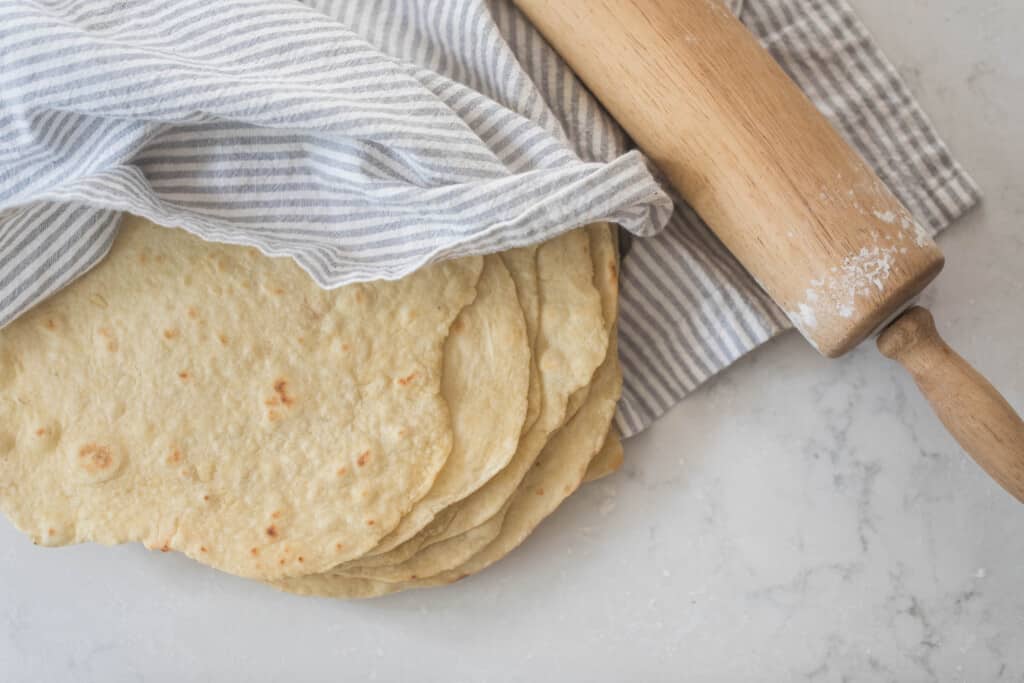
{"x": 859, "y": 274}
{"x": 921, "y": 235}
{"x": 908, "y": 224}
{"x": 803, "y": 317}
{"x": 886, "y": 216}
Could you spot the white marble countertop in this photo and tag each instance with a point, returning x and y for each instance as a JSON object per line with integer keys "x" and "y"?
{"x": 796, "y": 519}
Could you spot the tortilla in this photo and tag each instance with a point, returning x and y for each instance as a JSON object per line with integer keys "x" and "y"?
{"x": 571, "y": 342}
{"x": 435, "y": 557}
{"x": 603, "y": 249}
{"x": 485, "y": 382}
{"x": 570, "y": 325}
{"x": 208, "y": 399}
{"x": 558, "y": 472}
{"x": 608, "y": 460}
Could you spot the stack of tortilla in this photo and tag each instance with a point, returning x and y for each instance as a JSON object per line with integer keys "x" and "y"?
{"x": 211, "y": 400}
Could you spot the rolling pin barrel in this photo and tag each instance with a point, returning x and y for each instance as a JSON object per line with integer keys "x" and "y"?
{"x": 798, "y": 207}
{"x": 783, "y": 191}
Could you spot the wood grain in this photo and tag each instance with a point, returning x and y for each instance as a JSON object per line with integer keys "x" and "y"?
{"x": 977, "y": 415}
{"x": 742, "y": 144}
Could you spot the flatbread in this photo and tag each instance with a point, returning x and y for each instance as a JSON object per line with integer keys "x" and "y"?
{"x": 435, "y": 557}
{"x": 571, "y": 343}
{"x": 205, "y": 398}
{"x": 572, "y": 339}
{"x": 485, "y": 382}
{"x": 604, "y": 254}
{"x": 558, "y": 472}
{"x": 606, "y": 265}
{"x": 438, "y": 557}
{"x": 608, "y": 460}
{"x": 522, "y": 266}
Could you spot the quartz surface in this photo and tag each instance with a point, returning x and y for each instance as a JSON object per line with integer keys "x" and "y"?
{"x": 795, "y": 519}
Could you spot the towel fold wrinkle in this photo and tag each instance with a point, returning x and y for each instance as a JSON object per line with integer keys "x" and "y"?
{"x": 366, "y": 138}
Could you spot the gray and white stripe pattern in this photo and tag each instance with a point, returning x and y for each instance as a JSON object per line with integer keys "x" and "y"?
{"x": 365, "y": 138}
{"x": 272, "y": 124}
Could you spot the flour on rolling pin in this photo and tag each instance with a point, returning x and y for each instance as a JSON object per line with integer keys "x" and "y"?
{"x": 864, "y": 272}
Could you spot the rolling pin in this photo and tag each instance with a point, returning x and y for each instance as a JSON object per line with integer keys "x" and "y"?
{"x": 796, "y": 205}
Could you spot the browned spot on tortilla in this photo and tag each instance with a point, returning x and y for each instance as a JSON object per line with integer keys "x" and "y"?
{"x": 339, "y": 546}
{"x": 202, "y": 548}
{"x": 278, "y": 290}
{"x": 412, "y": 577}
{"x": 275, "y": 514}
{"x": 302, "y": 340}
{"x": 567, "y": 489}
{"x": 273, "y": 416}
{"x": 359, "y": 295}
{"x": 50, "y": 324}
{"x": 254, "y": 551}
{"x": 281, "y": 389}
{"x": 174, "y": 457}
{"x": 41, "y": 431}
{"x": 405, "y": 381}
{"x": 165, "y": 548}
{"x": 192, "y": 313}
{"x": 370, "y": 522}
{"x": 51, "y": 531}
{"x": 300, "y": 558}
{"x": 223, "y": 339}
{"x": 540, "y": 491}
{"x": 143, "y": 257}
{"x": 170, "y": 333}
{"x": 109, "y": 336}
{"x": 95, "y": 458}
{"x": 458, "y": 326}
{"x": 363, "y": 458}
{"x": 342, "y": 470}
{"x": 345, "y": 347}
{"x": 613, "y": 272}
{"x": 272, "y": 531}
{"x": 206, "y": 497}
{"x": 184, "y": 375}
{"x": 281, "y": 561}
{"x": 272, "y": 401}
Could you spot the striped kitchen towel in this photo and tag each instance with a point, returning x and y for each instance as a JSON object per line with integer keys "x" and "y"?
{"x": 365, "y": 138}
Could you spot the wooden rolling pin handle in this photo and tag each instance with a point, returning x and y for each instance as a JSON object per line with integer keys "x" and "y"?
{"x": 977, "y": 415}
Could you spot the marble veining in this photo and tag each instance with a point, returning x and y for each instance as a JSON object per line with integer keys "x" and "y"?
{"x": 796, "y": 519}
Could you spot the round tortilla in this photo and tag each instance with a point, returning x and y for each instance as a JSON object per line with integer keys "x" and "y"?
{"x": 485, "y": 383}
{"x": 437, "y": 557}
{"x": 205, "y": 398}
{"x": 571, "y": 341}
{"x": 521, "y": 264}
{"x": 557, "y": 473}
